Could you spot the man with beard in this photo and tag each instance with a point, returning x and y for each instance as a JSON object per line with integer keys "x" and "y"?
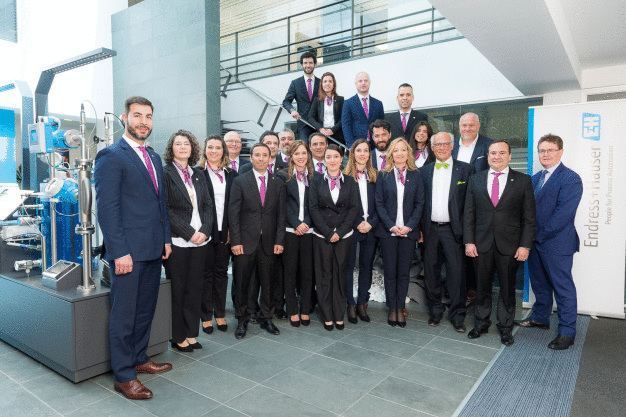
{"x": 135, "y": 225}
{"x": 270, "y": 139}
{"x": 380, "y": 132}
{"x": 304, "y": 90}
{"x": 286, "y": 138}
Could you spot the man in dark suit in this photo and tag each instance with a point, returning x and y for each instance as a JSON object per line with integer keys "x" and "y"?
{"x": 270, "y": 139}
{"x": 471, "y": 147}
{"x": 380, "y": 132}
{"x": 404, "y": 120}
{"x": 257, "y": 215}
{"x": 132, "y": 208}
{"x": 445, "y": 185}
{"x": 286, "y": 137}
{"x": 233, "y": 143}
{"x": 304, "y": 89}
{"x": 558, "y": 191}
{"x": 359, "y": 111}
{"x": 319, "y": 143}
{"x": 498, "y": 231}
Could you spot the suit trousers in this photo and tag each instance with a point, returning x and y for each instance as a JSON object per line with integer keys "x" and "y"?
{"x": 366, "y": 260}
{"x": 278, "y": 291}
{"x": 551, "y": 274}
{"x": 442, "y": 244}
{"x": 397, "y": 257}
{"x": 247, "y": 265}
{"x": 215, "y": 281}
{"x": 133, "y": 302}
{"x": 298, "y": 272}
{"x": 185, "y": 268}
{"x": 487, "y": 264}
{"x": 330, "y": 260}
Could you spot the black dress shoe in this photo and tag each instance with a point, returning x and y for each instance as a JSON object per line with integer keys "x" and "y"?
{"x": 305, "y": 322}
{"x": 533, "y": 323}
{"x": 401, "y": 320}
{"x": 180, "y": 348}
{"x": 352, "y": 315}
{"x": 195, "y": 345}
{"x": 241, "y": 330}
{"x": 362, "y": 312}
{"x": 561, "y": 342}
{"x": 339, "y": 326}
{"x": 392, "y": 319}
{"x": 280, "y": 314}
{"x": 476, "y": 332}
{"x": 294, "y": 323}
{"x": 208, "y": 329}
{"x": 328, "y": 327}
{"x": 254, "y": 318}
{"x": 459, "y": 326}
{"x": 506, "y": 338}
{"x": 222, "y": 327}
{"x": 434, "y": 321}
{"x": 269, "y": 327}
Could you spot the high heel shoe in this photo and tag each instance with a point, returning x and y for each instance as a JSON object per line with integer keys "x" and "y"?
{"x": 222, "y": 327}
{"x": 339, "y": 326}
{"x": 208, "y": 329}
{"x": 195, "y": 345}
{"x": 352, "y": 314}
{"x": 305, "y": 322}
{"x": 392, "y": 319}
{"x": 328, "y": 327}
{"x": 180, "y": 348}
{"x": 401, "y": 320}
{"x": 295, "y": 323}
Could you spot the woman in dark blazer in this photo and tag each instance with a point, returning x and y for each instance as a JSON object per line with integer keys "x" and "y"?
{"x": 219, "y": 178}
{"x": 297, "y": 256}
{"x": 325, "y": 112}
{"x": 361, "y": 169}
{"x": 399, "y": 202}
{"x": 333, "y": 204}
{"x": 420, "y": 144}
{"x": 191, "y": 219}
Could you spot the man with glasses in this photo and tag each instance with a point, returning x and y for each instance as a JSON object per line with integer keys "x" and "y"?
{"x": 445, "y": 184}
{"x": 233, "y": 143}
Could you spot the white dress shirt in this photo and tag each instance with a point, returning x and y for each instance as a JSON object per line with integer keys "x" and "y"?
{"x": 465, "y": 152}
{"x": 316, "y": 167}
{"x": 301, "y": 191}
{"x": 219, "y": 195}
{"x": 501, "y": 181}
{"x": 237, "y": 164}
{"x": 367, "y": 99}
{"x": 196, "y": 221}
{"x": 441, "y": 192}
{"x": 400, "y": 195}
{"x": 363, "y": 193}
{"x": 135, "y": 147}
{"x": 550, "y": 172}
{"x": 421, "y": 160}
{"x": 379, "y": 158}
{"x": 258, "y": 181}
{"x": 329, "y": 113}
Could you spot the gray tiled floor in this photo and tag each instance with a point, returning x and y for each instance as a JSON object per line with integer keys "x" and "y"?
{"x": 365, "y": 370}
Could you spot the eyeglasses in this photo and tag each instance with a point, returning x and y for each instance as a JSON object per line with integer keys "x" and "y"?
{"x": 547, "y": 151}
{"x": 441, "y": 144}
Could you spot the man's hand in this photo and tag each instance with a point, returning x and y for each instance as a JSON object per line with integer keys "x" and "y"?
{"x": 421, "y": 239}
{"x": 334, "y": 238}
{"x": 404, "y": 230}
{"x": 295, "y": 115}
{"x": 123, "y": 265}
{"x": 278, "y": 249}
{"x": 364, "y": 227}
{"x": 168, "y": 251}
{"x": 237, "y": 249}
{"x": 198, "y": 238}
{"x": 228, "y": 238}
{"x": 470, "y": 250}
{"x": 327, "y": 132}
{"x": 521, "y": 254}
{"x": 302, "y": 229}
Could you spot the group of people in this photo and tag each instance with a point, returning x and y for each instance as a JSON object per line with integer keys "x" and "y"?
{"x": 292, "y": 218}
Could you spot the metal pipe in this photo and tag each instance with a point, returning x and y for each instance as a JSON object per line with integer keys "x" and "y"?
{"x": 85, "y": 227}
{"x": 44, "y": 253}
{"x": 53, "y": 232}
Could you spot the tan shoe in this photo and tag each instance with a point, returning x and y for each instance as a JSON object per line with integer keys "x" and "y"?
{"x": 133, "y": 390}
{"x": 153, "y": 368}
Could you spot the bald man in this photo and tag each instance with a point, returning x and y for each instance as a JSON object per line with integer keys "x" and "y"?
{"x": 360, "y": 110}
{"x": 233, "y": 143}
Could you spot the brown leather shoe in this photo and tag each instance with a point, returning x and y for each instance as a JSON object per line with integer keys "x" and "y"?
{"x": 153, "y": 368}
{"x": 405, "y": 312}
{"x": 133, "y": 390}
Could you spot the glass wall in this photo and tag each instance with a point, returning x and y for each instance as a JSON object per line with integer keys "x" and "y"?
{"x": 8, "y": 20}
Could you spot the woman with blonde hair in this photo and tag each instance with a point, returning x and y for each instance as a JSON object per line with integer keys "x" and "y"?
{"x": 399, "y": 203}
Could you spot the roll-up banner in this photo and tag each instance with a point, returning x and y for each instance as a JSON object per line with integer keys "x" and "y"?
{"x": 594, "y": 142}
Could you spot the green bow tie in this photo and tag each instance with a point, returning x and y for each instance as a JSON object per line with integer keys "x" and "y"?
{"x": 440, "y": 164}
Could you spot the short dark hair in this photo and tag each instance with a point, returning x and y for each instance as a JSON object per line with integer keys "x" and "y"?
{"x": 137, "y": 100}
{"x": 501, "y": 141}
{"x": 258, "y": 145}
{"x": 405, "y": 85}
{"x": 267, "y": 133}
{"x": 552, "y": 139}
{"x": 336, "y": 148}
{"x": 168, "y": 156}
{"x": 309, "y": 54}
{"x": 312, "y": 135}
{"x": 380, "y": 123}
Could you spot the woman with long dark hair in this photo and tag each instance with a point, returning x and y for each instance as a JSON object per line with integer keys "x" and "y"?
{"x": 420, "y": 144}
{"x": 325, "y": 112}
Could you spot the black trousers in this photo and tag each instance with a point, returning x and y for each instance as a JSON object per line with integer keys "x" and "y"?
{"x": 330, "y": 260}
{"x": 215, "y": 281}
{"x": 247, "y": 265}
{"x": 185, "y": 268}
{"x": 487, "y": 264}
{"x": 397, "y": 257}
{"x": 278, "y": 291}
{"x": 442, "y": 244}
{"x": 366, "y": 261}
{"x": 298, "y": 272}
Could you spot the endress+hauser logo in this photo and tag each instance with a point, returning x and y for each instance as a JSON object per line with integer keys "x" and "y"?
{"x": 591, "y": 126}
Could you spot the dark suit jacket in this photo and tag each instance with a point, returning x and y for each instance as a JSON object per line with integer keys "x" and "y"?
{"x": 179, "y": 204}
{"x": 396, "y": 123}
{"x": 216, "y": 235}
{"x": 372, "y": 214}
{"x": 298, "y": 90}
{"x": 293, "y": 201}
{"x": 132, "y": 215}
{"x": 247, "y": 217}
{"x": 387, "y": 202}
{"x": 316, "y": 117}
{"x": 479, "y": 156}
{"x": 354, "y": 123}
{"x": 328, "y": 217}
{"x": 461, "y": 173}
{"x": 278, "y": 165}
{"x": 556, "y": 204}
{"x": 509, "y": 225}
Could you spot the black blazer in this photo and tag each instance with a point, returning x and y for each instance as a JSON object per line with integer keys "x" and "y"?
{"x": 387, "y": 202}
{"x": 372, "y": 214}
{"x": 292, "y": 196}
{"x": 461, "y": 173}
{"x": 247, "y": 217}
{"x": 278, "y": 165}
{"x": 396, "y": 123}
{"x": 216, "y": 235}
{"x": 243, "y": 161}
{"x": 511, "y": 224}
{"x": 179, "y": 204}
{"x": 479, "y": 156}
{"x": 328, "y": 217}
{"x": 298, "y": 90}
{"x": 316, "y": 117}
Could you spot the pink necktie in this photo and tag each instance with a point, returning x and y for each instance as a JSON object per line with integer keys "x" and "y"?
{"x": 328, "y": 101}
{"x": 310, "y": 89}
{"x": 148, "y": 162}
{"x": 382, "y": 166}
{"x": 319, "y": 167}
{"x": 404, "y": 122}
{"x": 401, "y": 175}
{"x": 270, "y": 168}
{"x": 495, "y": 189}
{"x": 367, "y": 112}
{"x": 262, "y": 189}
{"x": 233, "y": 165}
